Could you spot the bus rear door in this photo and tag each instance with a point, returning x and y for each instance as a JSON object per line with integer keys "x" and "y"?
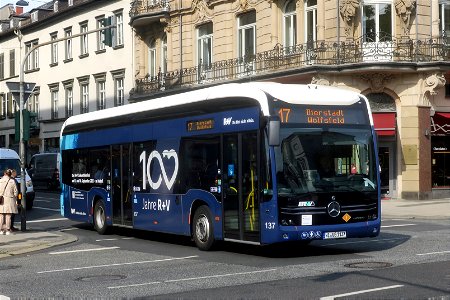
{"x": 121, "y": 188}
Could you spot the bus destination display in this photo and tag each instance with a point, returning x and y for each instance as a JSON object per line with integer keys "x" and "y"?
{"x": 319, "y": 115}
{"x": 197, "y": 125}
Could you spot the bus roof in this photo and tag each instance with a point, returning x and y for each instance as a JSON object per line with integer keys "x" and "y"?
{"x": 291, "y": 93}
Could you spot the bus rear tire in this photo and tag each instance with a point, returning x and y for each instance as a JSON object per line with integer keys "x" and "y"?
{"x": 100, "y": 218}
{"x": 203, "y": 228}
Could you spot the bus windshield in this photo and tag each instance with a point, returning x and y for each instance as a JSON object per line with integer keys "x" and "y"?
{"x": 325, "y": 159}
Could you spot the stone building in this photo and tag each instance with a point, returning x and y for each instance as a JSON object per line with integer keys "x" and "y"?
{"x": 395, "y": 52}
{"x": 71, "y": 76}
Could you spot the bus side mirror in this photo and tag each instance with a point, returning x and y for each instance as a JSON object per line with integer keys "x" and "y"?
{"x": 274, "y": 131}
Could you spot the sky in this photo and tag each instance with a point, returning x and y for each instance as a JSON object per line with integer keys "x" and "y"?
{"x": 32, "y": 3}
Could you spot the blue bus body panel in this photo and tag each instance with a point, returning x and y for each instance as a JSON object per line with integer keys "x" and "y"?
{"x": 230, "y": 121}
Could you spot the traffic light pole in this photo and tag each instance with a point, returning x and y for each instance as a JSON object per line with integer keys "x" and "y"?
{"x": 23, "y": 219}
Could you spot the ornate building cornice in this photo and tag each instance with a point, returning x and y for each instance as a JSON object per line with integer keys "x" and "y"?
{"x": 376, "y": 81}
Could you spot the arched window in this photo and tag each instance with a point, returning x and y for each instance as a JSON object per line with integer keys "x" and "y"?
{"x": 290, "y": 24}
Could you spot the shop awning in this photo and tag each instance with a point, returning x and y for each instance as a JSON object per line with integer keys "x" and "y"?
{"x": 384, "y": 123}
{"x": 440, "y": 123}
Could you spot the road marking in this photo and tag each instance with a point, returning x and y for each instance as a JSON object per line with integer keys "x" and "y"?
{"x": 47, "y": 220}
{"x": 114, "y": 239}
{"x": 84, "y": 250}
{"x": 122, "y": 264}
{"x": 398, "y": 225}
{"x": 4, "y": 297}
{"x": 432, "y": 253}
{"x": 46, "y": 201}
{"x": 44, "y": 208}
{"x": 361, "y": 292}
{"x": 192, "y": 278}
{"x": 70, "y": 229}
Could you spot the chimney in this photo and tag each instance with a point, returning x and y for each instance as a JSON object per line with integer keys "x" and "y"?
{"x": 19, "y": 10}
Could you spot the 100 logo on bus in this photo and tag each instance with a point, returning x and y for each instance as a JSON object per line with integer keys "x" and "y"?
{"x": 146, "y": 163}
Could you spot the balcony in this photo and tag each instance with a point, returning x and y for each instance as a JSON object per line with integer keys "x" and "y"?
{"x": 283, "y": 61}
{"x": 147, "y": 12}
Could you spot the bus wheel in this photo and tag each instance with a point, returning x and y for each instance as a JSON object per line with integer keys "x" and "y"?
{"x": 100, "y": 217}
{"x": 203, "y": 228}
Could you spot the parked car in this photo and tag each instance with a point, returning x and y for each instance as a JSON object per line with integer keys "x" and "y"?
{"x": 44, "y": 170}
{"x": 9, "y": 159}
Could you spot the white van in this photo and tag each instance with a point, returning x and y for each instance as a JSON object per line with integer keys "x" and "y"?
{"x": 9, "y": 159}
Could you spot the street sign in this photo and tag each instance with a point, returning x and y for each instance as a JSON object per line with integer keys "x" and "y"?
{"x": 14, "y": 88}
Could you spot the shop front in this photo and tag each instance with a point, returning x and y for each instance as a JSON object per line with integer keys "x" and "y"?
{"x": 440, "y": 154}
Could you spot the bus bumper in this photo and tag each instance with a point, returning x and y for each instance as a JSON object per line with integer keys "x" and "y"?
{"x": 324, "y": 232}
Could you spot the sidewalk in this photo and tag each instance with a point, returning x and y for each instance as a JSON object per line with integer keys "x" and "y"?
{"x": 31, "y": 240}
{"x": 436, "y": 209}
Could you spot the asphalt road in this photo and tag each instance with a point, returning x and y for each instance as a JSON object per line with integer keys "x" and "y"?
{"x": 410, "y": 259}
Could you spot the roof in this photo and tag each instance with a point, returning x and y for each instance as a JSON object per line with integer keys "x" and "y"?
{"x": 291, "y": 93}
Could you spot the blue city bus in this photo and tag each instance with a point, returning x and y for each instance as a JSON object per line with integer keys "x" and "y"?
{"x": 256, "y": 163}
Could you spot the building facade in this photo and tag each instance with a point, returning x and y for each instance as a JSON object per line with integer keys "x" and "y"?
{"x": 396, "y": 52}
{"x": 76, "y": 74}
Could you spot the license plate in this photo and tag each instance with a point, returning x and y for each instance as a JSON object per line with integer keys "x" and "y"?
{"x": 335, "y": 235}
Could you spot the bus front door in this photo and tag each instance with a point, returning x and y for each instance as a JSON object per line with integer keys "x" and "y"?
{"x": 240, "y": 181}
{"x": 121, "y": 189}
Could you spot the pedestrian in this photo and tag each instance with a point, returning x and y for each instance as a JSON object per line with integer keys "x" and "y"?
{"x": 8, "y": 189}
{"x": 13, "y": 176}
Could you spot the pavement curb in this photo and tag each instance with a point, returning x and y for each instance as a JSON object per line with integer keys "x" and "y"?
{"x": 26, "y": 245}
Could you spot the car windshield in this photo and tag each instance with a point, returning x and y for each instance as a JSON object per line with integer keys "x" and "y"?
{"x": 9, "y": 163}
{"x": 325, "y": 160}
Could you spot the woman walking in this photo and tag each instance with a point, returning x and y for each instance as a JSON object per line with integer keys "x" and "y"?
{"x": 8, "y": 189}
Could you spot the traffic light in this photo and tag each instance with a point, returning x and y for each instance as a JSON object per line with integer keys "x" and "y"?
{"x": 109, "y": 34}
{"x": 26, "y": 125}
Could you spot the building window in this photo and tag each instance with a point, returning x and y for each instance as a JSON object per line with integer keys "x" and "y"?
{"x": 164, "y": 54}
{"x": 2, "y": 106}
{"x": 444, "y": 18}
{"x": 34, "y": 16}
{"x": 290, "y": 24}
{"x": 119, "y": 91}
{"x": 84, "y": 105}
{"x": 119, "y": 29}
{"x": 54, "y": 94}
{"x": 12, "y": 63}
{"x": 311, "y": 20}
{"x": 69, "y": 100}
{"x": 2, "y": 66}
{"x": 33, "y": 103}
{"x": 32, "y": 59}
{"x": 11, "y": 105}
{"x": 84, "y": 40}
{"x": 68, "y": 44}
{"x": 54, "y": 49}
{"x": 247, "y": 41}
{"x": 152, "y": 57}
{"x": 101, "y": 94}
{"x": 377, "y": 21}
{"x": 204, "y": 45}
{"x": 100, "y": 34}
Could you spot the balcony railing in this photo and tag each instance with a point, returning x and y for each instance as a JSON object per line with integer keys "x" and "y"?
{"x": 139, "y": 7}
{"x": 364, "y": 50}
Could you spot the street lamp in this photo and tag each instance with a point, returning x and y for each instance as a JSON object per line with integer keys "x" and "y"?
{"x": 22, "y": 3}
{"x": 23, "y": 223}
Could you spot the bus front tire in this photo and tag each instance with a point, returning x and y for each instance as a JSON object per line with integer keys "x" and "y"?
{"x": 100, "y": 218}
{"x": 203, "y": 228}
